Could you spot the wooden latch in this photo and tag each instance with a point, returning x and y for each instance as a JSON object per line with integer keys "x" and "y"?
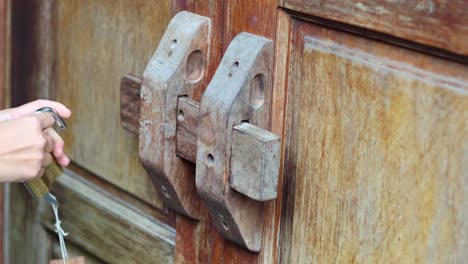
{"x": 237, "y": 157}
{"x": 176, "y": 69}
{"x": 226, "y": 136}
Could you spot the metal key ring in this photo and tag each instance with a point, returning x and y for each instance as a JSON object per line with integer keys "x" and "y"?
{"x": 58, "y": 120}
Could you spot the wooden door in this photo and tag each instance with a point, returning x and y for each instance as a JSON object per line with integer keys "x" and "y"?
{"x": 76, "y": 52}
{"x": 370, "y": 99}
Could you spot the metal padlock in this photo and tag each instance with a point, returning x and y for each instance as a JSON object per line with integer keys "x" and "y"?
{"x": 39, "y": 187}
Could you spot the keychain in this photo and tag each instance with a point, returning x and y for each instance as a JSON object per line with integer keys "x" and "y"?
{"x": 39, "y": 188}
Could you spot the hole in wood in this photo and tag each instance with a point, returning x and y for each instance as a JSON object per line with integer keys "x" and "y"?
{"x": 245, "y": 121}
{"x": 233, "y": 68}
{"x": 173, "y": 43}
{"x": 225, "y": 225}
{"x": 257, "y": 91}
{"x": 165, "y": 192}
{"x": 180, "y": 116}
{"x": 210, "y": 159}
{"x": 195, "y": 66}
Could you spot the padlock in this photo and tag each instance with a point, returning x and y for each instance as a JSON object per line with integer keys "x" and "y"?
{"x": 39, "y": 187}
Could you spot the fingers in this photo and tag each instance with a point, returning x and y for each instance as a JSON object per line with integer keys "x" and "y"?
{"x": 58, "y": 152}
{"x": 47, "y": 160}
{"x": 50, "y": 144}
{"x": 40, "y": 172}
{"x": 29, "y": 108}
{"x": 46, "y": 120}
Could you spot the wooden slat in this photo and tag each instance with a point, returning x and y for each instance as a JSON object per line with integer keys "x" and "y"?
{"x": 187, "y": 128}
{"x": 130, "y": 103}
{"x": 376, "y": 153}
{"x": 441, "y": 24}
{"x": 108, "y": 228}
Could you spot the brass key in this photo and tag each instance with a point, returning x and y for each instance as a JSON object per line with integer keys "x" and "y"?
{"x": 39, "y": 187}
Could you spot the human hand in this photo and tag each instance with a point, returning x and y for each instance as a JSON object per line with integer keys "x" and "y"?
{"x": 25, "y": 147}
{"x": 28, "y": 109}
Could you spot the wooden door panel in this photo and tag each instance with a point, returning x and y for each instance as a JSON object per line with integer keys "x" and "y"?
{"x": 441, "y": 24}
{"x": 76, "y": 52}
{"x": 107, "y": 227}
{"x": 97, "y": 42}
{"x": 376, "y": 153}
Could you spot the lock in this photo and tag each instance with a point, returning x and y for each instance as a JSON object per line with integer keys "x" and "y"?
{"x": 39, "y": 187}
{"x": 225, "y": 135}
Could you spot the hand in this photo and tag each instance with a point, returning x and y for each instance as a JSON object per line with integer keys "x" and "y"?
{"x": 28, "y": 109}
{"x": 25, "y": 147}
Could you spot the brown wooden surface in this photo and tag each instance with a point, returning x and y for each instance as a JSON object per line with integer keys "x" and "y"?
{"x": 247, "y": 57}
{"x": 77, "y": 260}
{"x": 441, "y": 24}
{"x": 375, "y": 153}
{"x": 256, "y": 17}
{"x": 130, "y": 103}
{"x": 187, "y": 128}
{"x": 107, "y": 227}
{"x": 76, "y": 52}
{"x": 97, "y": 43}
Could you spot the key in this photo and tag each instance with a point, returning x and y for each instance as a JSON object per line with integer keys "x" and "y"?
{"x": 39, "y": 187}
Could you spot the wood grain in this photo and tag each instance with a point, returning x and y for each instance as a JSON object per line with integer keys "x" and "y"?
{"x": 130, "y": 103}
{"x": 107, "y": 227}
{"x": 208, "y": 244}
{"x": 376, "y": 153}
{"x": 176, "y": 69}
{"x": 247, "y": 59}
{"x": 255, "y": 160}
{"x": 187, "y": 128}
{"x": 77, "y": 260}
{"x": 97, "y": 43}
{"x": 441, "y": 24}
{"x": 200, "y": 243}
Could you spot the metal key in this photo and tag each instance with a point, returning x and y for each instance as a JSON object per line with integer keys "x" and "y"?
{"x": 39, "y": 187}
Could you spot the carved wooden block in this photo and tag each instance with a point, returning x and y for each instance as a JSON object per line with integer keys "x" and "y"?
{"x": 240, "y": 90}
{"x": 187, "y": 128}
{"x": 176, "y": 69}
{"x": 255, "y": 162}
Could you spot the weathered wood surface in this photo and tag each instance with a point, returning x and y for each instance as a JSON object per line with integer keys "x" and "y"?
{"x": 77, "y": 260}
{"x": 376, "y": 154}
{"x": 107, "y": 227}
{"x": 229, "y": 19}
{"x": 130, "y": 103}
{"x": 187, "y": 128}
{"x": 176, "y": 69}
{"x": 255, "y": 160}
{"x": 97, "y": 42}
{"x": 441, "y": 24}
{"x": 247, "y": 58}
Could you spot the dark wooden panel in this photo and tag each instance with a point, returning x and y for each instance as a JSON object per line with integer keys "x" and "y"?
{"x": 376, "y": 153}
{"x": 441, "y": 24}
